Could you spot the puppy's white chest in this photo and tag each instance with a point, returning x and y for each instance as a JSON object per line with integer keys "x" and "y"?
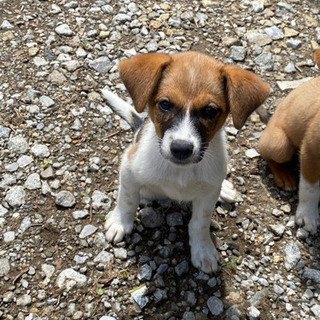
{"x": 161, "y": 179}
{"x": 175, "y": 191}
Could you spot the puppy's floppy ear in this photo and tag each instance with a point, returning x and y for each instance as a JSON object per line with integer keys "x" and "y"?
{"x": 316, "y": 57}
{"x": 245, "y": 92}
{"x": 141, "y": 75}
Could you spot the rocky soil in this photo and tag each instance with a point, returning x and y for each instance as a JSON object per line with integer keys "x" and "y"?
{"x": 60, "y": 148}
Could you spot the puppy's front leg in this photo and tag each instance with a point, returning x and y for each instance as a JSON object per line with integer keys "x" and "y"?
{"x": 120, "y": 220}
{"x": 203, "y": 252}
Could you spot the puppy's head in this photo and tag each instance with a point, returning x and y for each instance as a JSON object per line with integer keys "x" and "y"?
{"x": 189, "y": 96}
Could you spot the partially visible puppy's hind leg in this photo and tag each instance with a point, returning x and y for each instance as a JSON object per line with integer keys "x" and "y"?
{"x": 275, "y": 147}
{"x": 307, "y": 214}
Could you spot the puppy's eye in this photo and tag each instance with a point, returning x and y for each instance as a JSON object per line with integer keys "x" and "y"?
{"x": 209, "y": 112}
{"x": 165, "y": 105}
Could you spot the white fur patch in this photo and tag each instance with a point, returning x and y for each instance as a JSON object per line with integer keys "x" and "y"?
{"x": 185, "y": 131}
{"x": 308, "y": 212}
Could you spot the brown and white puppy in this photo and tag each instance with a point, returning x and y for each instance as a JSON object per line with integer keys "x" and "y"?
{"x": 180, "y": 152}
{"x": 295, "y": 126}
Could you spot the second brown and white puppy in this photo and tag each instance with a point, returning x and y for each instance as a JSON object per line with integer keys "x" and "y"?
{"x": 180, "y": 153}
{"x": 293, "y": 127}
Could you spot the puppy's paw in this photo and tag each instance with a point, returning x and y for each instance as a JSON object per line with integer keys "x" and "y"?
{"x": 228, "y": 193}
{"x": 204, "y": 256}
{"x": 308, "y": 219}
{"x": 117, "y": 226}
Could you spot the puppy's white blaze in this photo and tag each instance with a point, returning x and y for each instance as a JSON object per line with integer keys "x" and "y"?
{"x": 192, "y": 75}
{"x": 186, "y": 131}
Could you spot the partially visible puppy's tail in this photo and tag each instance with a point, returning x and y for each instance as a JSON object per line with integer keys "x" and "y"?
{"x": 123, "y": 109}
{"x": 264, "y": 114}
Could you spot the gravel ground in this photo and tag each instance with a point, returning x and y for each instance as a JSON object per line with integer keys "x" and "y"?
{"x": 60, "y": 148}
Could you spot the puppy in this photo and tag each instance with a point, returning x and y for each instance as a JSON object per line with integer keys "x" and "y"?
{"x": 180, "y": 152}
{"x": 295, "y": 127}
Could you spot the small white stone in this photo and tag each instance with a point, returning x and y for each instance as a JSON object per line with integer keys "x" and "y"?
{"x": 252, "y": 153}
{"x": 46, "y": 101}
{"x": 70, "y": 278}
{"x": 9, "y": 236}
{"x": 63, "y": 30}
{"x": 87, "y": 231}
{"x": 253, "y": 313}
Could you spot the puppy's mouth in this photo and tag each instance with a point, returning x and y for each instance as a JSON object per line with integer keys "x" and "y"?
{"x": 182, "y": 152}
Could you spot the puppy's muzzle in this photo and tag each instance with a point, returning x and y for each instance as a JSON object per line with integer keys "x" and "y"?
{"x": 181, "y": 150}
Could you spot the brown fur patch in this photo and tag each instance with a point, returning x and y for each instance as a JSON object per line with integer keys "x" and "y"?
{"x": 316, "y": 57}
{"x": 132, "y": 150}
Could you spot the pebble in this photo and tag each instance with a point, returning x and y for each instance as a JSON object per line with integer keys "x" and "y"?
{"x": 316, "y": 310}
{"x": 25, "y": 224}
{"x": 274, "y": 33}
{"x": 290, "y": 68}
{"x": 101, "y": 65}
{"x": 87, "y": 231}
{"x": 46, "y": 101}
{"x": 264, "y": 61}
{"x": 151, "y": 218}
{"x": 312, "y": 274}
{"x": 238, "y": 53}
{"x": 65, "y": 199}
{"x": 18, "y": 144}
{"x": 277, "y": 229}
{"x": 40, "y": 62}
{"x": 103, "y": 257}
{"x": 215, "y": 305}
{"x": 278, "y": 290}
{"x": 302, "y": 234}
{"x": 33, "y": 182}
{"x": 4, "y": 266}
{"x": 294, "y": 44}
{"x": 57, "y": 77}
{"x": 292, "y": 255}
{"x": 24, "y": 300}
{"x": 69, "y": 278}
{"x": 188, "y": 315}
{"x": 3, "y": 211}
{"x": 252, "y": 153}
{"x": 174, "y": 219}
{"x": 100, "y": 200}
{"x": 80, "y": 214}
{"x": 163, "y": 267}
{"x": 47, "y": 173}
{"x": 190, "y": 298}
{"x": 24, "y": 161}
{"x": 6, "y": 25}
{"x": 257, "y": 6}
{"x": 181, "y": 268}
{"x": 63, "y": 30}
{"x": 120, "y": 253}
{"x": 48, "y": 270}
{"x": 145, "y": 272}
{"x": 4, "y": 132}
{"x": 253, "y": 313}
{"x": 72, "y": 65}
{"x": 16, "y": 196}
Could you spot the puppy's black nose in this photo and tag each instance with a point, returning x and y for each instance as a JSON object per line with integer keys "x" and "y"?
{"x": 181, "y": 149}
